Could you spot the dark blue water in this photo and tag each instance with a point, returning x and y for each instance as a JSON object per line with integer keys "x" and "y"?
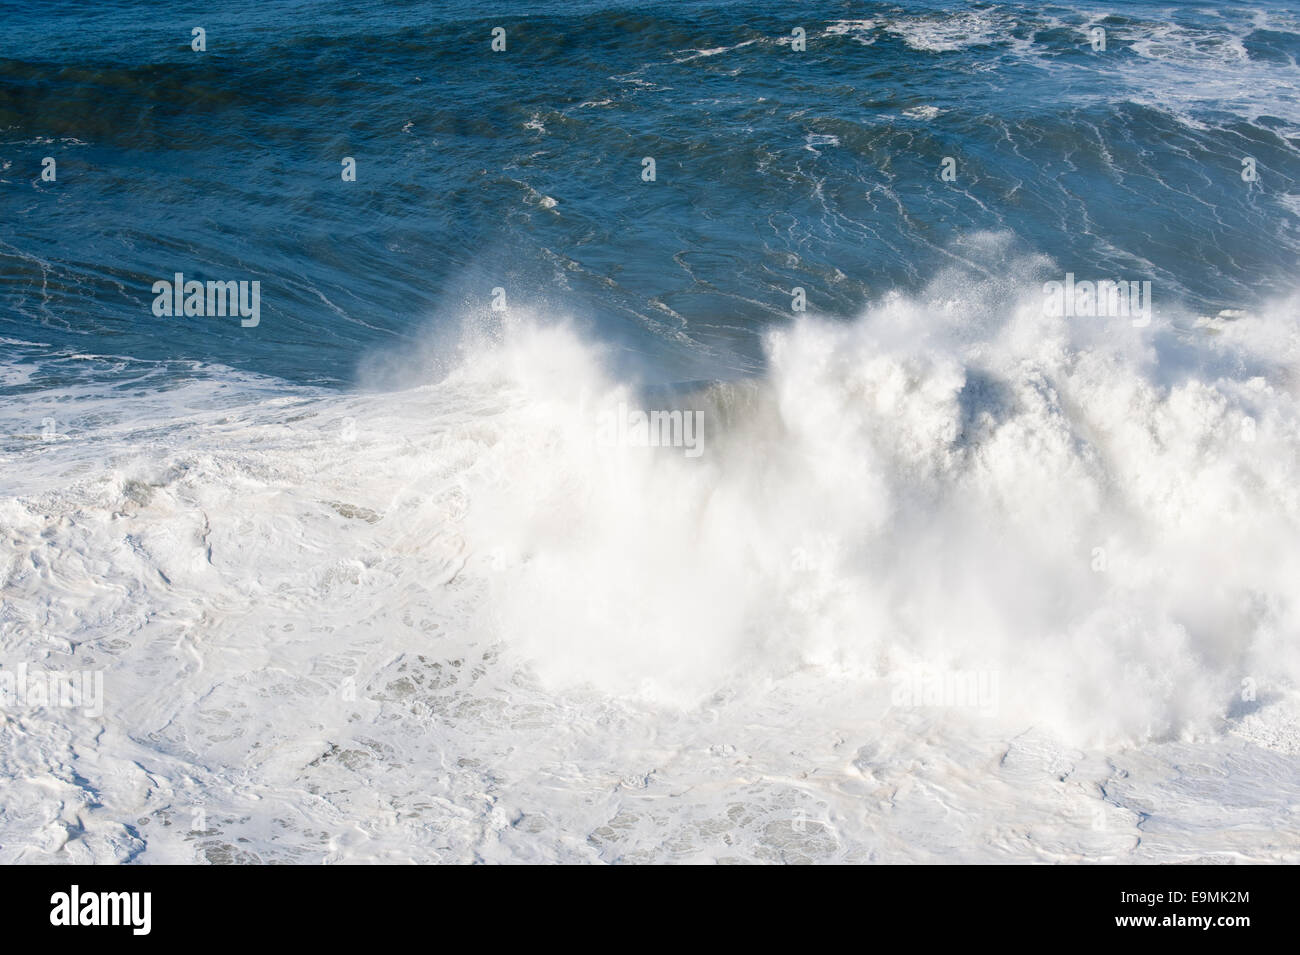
{"x": 523, "y": 169}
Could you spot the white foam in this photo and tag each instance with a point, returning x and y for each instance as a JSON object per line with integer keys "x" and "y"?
{"x": 565, "y": 650}
{"x": 859, "y": 30}
{"x": 922, "y": 112}
{"x": 813, "y": 140}
{"x": 949, "y": 32}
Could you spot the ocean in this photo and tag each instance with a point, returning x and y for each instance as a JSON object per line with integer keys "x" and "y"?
{"x": 585, "y": 431}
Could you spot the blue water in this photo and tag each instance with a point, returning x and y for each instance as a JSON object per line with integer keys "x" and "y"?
{"x": 522, "y": 170}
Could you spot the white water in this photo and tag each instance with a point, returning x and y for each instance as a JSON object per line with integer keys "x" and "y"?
{"x": 564, "y": 650}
